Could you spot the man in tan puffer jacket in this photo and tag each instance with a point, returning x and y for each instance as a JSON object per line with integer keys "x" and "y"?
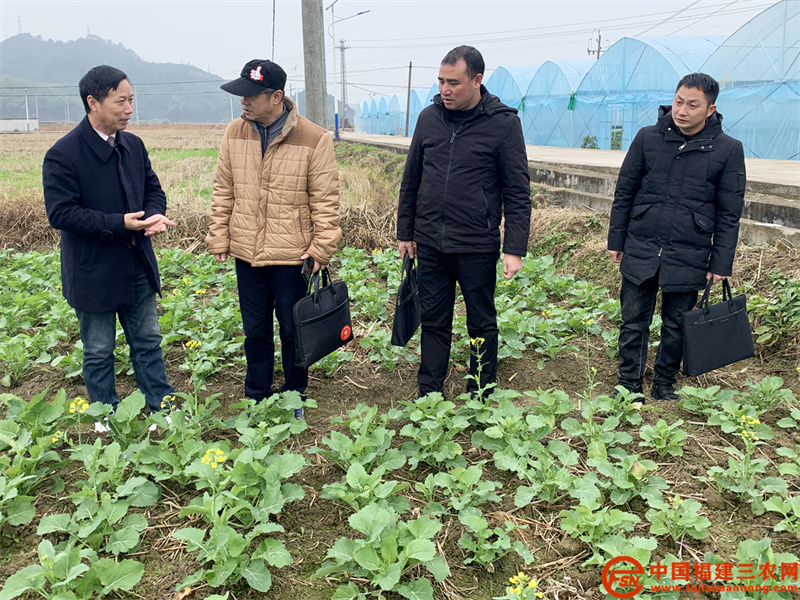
{"x": 275, "y": 203}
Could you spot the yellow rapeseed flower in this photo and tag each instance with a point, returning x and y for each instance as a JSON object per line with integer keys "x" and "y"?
{"x": 186, "y": 281}
{"x": 57, "y": 436}
{"x": 193, "y": 345}
{"x": 200, "y": 292}
{"x": 79, "y": 405}
{"x": 177, "y": 292}
{"x": 213, "y": 457}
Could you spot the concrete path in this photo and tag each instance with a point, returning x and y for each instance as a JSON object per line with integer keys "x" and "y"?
{"x": 780, "y": 172}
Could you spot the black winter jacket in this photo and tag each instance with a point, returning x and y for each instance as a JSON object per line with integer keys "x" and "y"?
{"x": 677, "y": 205}
{"x": 459, "y": 180}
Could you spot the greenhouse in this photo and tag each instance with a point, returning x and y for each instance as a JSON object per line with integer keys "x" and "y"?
{"x": 510, "y": 84}
{"x": 603, "y": 103}
{"x": 622, "y": 91}
{"x": 758, "y": 68}
{"x": 546, "y": 115}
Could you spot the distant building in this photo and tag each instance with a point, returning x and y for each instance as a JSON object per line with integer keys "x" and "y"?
{"x": 18, "y": 125}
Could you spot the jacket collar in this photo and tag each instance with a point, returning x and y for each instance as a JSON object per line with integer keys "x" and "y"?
{"x": 489, "y": 103}
{"x": 291, "y": 120}
{"x": 666, "y": 124}
{"x": 97, "y": 144}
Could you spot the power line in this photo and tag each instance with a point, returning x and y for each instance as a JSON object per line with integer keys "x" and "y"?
{"x": 675, "y": 14}
{"x": 63, "y": 87}
{"x": 617, "y": 20}
{"x": 712, "y": 14}
{"x": 539, "y": 36}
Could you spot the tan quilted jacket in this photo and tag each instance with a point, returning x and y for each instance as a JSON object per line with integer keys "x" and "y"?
{"x": 272, "y": 210}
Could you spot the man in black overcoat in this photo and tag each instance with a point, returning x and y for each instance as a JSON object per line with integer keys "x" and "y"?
{"x": 674, "y": 226}
{"x": 102, "y": 194}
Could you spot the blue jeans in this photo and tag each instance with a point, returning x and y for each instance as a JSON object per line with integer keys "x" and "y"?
{"x": 437, "y": 274}
{"x": 140, "y": 323}
{"x": 637, "y": 304}
{"x": 262, "y": 292}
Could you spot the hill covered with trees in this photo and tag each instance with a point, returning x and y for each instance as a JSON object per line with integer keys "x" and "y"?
{"x": 50, "y": 70}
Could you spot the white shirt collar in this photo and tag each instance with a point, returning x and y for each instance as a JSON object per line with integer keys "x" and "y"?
{"x": 104, "y": 136}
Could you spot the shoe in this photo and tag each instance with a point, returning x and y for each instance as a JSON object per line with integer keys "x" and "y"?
{"x": 154, "y": 427}
{"x": 299, "y": 413}
{"x": 100, "y": 428}
{"x": 663, "y": 391}
{"x": 617, "y": 393}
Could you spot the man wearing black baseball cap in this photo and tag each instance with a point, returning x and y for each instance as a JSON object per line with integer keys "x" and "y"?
{"x": 275, "y": 203}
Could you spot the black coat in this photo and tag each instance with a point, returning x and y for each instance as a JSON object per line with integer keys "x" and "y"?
{"x": 460, "y": 180}
{"x": 677, "y": 205}
{"x": 86, "y": 201}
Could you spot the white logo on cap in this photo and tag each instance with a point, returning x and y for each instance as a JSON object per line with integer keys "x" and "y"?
{"x": 255, "y": 74}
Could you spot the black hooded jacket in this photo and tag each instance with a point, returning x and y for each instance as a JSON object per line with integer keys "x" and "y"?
{"x": 460, "y": 179}
{"x": 677, "y": 204}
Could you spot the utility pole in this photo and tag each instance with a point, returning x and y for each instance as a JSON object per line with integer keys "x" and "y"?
{"x": 408, "y": 96}
{"x": 314, "y": 61}
{"x": 589, "y": 46}
{"x": 273, "y": 31}
{"x": 136, "y": 103}
{"x": 343, "y": 68}
{"x": 27, "y": 117}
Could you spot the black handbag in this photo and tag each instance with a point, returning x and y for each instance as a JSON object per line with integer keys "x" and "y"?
{"x": 321, "y": 320}
{"x": 407, "y": 309}
{"x": 716, "y": 335}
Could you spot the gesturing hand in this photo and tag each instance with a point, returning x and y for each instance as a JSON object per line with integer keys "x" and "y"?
{"x": 152, "y": 225}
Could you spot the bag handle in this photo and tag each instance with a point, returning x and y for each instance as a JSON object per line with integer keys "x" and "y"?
{"x": 704, "y": 299}
{"x": 408, "y": 270}
{"x": 313, "y": 282}
{"x": 726, "y": 295}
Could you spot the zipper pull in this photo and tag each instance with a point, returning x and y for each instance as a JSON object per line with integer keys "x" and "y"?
{"x": 453, "y": 137}
{"x": 659, "y": 251}
{"x": 682, "y": 146}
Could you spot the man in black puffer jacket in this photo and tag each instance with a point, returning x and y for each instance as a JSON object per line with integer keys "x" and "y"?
{"x": 466, "y": 169}
{"x": 674, "y": 225}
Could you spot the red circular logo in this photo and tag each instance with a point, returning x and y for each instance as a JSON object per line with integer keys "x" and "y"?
{"x": 624, "y": 578}
{"x": 346, "y": 333}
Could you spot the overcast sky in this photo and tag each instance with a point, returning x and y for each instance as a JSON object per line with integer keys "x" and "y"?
{"x": 220, "y": 36}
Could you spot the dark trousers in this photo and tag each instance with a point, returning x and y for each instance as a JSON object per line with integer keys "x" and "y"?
{"x": 262, "y": 291}
{"x": 638, "y": 303}
{"x": 437, "y": 275}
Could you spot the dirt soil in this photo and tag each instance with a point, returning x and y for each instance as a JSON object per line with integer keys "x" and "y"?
{"x": 313, "y": 524}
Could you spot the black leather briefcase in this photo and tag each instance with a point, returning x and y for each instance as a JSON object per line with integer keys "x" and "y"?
{"x": 716, "y": 335}
{"x": 321, "y": 320}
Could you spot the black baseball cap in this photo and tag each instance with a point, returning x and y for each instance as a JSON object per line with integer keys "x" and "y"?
{"x": 257, "y": 75}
